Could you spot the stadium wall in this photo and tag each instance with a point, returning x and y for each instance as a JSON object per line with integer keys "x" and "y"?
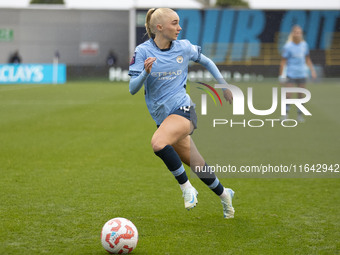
{"x": 82, "y": 37}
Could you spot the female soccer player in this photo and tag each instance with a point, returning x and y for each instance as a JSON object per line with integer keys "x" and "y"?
{"x": 161, "y": 64}
{"x": 295, "y": 55}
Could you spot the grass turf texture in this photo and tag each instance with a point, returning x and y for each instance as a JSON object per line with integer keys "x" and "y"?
{"x": 74, "y": 156}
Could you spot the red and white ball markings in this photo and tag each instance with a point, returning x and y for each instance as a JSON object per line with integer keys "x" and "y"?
{"x": 119, "y": 236}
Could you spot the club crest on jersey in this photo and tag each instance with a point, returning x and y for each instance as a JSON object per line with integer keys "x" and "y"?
{"x": 133, "y": 60}
{"x": 179, "y": 59}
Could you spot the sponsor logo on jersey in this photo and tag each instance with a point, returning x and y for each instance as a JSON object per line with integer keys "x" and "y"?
{"x": 166, "y": 75}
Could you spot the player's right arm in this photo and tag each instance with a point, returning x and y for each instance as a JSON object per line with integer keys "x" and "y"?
{"x": 139, "y": 70}
{"x": 148, "y": 64}
{"x": 136, "y": 82}
{"x": 283, "y": 63}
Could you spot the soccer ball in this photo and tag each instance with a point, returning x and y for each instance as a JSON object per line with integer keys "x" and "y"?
{"x": 119, "y": 236}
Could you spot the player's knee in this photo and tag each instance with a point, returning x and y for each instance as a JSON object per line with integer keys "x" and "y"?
{"x": 196, "y": 165}
{"x": 157, "y": 143}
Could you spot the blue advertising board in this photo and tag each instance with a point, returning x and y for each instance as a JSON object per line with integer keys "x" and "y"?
{"x": 229, "y": 36}
{"x": 33, "y": 74}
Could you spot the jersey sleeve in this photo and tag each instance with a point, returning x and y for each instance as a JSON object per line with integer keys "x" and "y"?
{"x": 285, "y": 51}
{"x": 194, "y": 51}
{"x": 137, "y": 63}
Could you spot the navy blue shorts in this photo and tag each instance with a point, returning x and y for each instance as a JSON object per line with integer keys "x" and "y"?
{"x": 297, "y": 81}
{"x": 187, "y": 112}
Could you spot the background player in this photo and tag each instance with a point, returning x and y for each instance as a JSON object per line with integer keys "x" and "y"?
{"x": 295, "y": 56}
{"x": 161, "y": 64}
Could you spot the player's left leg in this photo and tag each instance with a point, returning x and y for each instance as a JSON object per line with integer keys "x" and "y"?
{"x": 301, "y": 84}
{"x": 290, "y": 83}
{"x": 189, "y": 154}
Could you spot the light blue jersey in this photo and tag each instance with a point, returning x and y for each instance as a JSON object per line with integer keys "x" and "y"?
{"x": 165, "y": 86}
{"x": 295, "y": 54}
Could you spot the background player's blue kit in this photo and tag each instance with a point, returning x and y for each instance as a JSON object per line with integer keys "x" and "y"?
{"x": 296, "y": 59}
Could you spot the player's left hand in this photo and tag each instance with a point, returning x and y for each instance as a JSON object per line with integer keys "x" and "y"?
{"x": 313, "y": 73}
{"x": 282, "y": 79}
{"x": 228, "y": 96}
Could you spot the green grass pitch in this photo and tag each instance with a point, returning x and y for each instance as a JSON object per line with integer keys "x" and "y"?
{"x": 76, "y": 155}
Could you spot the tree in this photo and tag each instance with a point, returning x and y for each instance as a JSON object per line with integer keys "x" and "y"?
{"x": 229, "y": 3}
{"x": 47, "y": 2}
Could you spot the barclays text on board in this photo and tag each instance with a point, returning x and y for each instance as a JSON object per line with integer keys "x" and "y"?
{"x": 33, "y": 73}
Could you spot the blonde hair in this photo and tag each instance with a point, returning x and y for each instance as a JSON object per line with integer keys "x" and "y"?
{"x": 154, "y": 17}
{"x": 290, "y": 36}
